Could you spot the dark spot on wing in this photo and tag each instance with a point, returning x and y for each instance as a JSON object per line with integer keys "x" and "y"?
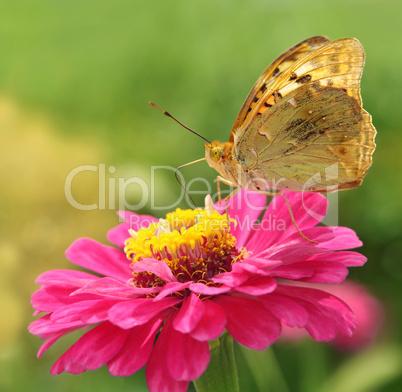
{"x": 293, "y": 125}
{"x": 304, "y": 79}
{"x": 301, "y": 131}
{"x": 276, "y": 72}
{"x": 240, "y": 158}
{"x": 335, "y": 68}
{"x": 315, "y": 86}
{"x": 296, "y": 122}
{"x": 267, "y": 105}
{"x": 342, "y": 151}
{"x": 255, "y": 99}
{"x": 307, "y": 135}
{"x": 277, "y": 96}
{"x": 321, "y": 131}
{"x": 293, "y": 76}
{"x": 309, "y": 93}
{"x": 263, "y": 88}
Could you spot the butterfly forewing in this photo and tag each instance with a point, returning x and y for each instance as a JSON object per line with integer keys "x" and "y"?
{"x": 337, "y": 64}
{"x": 273, "y": 73}
{"x": 315, "y": 138}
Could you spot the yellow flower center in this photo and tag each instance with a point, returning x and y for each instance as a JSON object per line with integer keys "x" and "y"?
{"x": 195, "y": 244}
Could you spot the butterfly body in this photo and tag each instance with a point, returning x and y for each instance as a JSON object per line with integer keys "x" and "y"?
{"x": 302, "y": 127}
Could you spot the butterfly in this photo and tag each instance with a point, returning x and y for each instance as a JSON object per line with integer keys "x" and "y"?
{"x": 302, "y": 126}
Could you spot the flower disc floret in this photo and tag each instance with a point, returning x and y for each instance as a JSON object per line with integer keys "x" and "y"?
{"x": 195, "y": 244}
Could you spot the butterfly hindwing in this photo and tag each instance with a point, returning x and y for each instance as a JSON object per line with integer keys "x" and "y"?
{"x": 311, "y": 130}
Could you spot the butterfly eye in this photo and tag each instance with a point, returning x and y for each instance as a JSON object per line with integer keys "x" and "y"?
{"x": 216, "y": 153}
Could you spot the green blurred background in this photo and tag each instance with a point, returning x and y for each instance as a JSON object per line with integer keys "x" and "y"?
{"x": 75, "y": 81}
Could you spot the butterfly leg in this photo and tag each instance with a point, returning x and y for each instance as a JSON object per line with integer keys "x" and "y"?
{"x": 290, "y": 212}
{"x": 225, "y": 181}
{"x": 231, "y": 194}
{"x": 220, "y": 179}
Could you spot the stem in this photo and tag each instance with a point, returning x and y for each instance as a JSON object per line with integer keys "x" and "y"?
{"x": 266, "y": 370}
{"x": 221, "y": 374}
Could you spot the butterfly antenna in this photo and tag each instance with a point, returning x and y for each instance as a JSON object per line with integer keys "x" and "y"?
{"x": 178, "y": 122}
{"x": 178, "y": 180}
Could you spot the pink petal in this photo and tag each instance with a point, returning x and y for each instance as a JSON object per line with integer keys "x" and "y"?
{"x": 170, "y": 288}
{"x": 258, "y": 286}
{"x": 135, "y": 222}
{"x": 99, "y": 258}
{"x": 285, "y": 309}
{"x": 249, "y": 322}
{"x": 241, "y": 273}
{"x": 248, "y": 269}
{"x": 57, "y": 287}
{"x": 89, "y": 312}
{"x": 68, "y": 278}
{"x": 45, "y": 346}
{"x": 312, "y": 271}
{"x": 46, "y": 327}
{"x": 327, "y": 313}
{"x": 292, "y": 272}
{"x": 212, "y": 322}
{"x": 139, "y": 311}
{"x": 231, "y": 279}
{"x": 320, "y": 328}
{"x": 245, "y": 207}
{"x": 59, "y": 366}
{"x": 345, "y": 238}
{"x": 290, "y": 254}
{"x": 159, "y": 378}
{"x": 157, "y": 267}
{"x": 201, "y": 288}
{"x": 347, "y": 258}
{"x": 187, "y": 358}
{"x": 109, "y": 287}
{"x": 263, "y": 264}
{"x": 136, "y": 350}
{"x": 308, "y": 210}
{"x": 119, "y": 234}
{"x": 93, "y": 349}
{"x": 318, "y": 234}
{"x": 189, "y": 314}
{"x": 51, "y": 298}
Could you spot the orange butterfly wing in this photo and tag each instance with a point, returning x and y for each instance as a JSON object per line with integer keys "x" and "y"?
{"x": 285, "y": 61}
{"x": 337, "y": 64}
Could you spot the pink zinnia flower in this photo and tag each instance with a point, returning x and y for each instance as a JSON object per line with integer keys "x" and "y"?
{"x": 175, "y": 284}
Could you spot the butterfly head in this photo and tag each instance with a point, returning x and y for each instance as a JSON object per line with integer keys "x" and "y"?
{"x": 216, "y": 153}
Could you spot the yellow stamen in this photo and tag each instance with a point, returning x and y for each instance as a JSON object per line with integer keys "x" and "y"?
{"x": 196, "y": 244}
